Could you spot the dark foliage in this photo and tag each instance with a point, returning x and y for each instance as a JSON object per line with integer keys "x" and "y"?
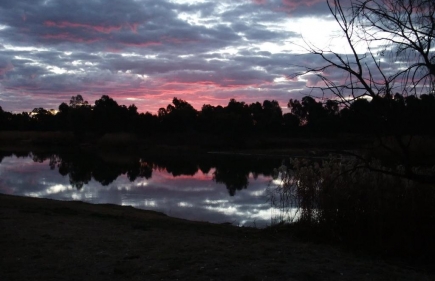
{"x": 387, "y": 115}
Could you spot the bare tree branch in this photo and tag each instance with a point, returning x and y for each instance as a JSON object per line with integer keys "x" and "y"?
{"x": 398, "y": 36}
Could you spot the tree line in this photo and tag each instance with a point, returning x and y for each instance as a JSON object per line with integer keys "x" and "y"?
{"x": 382, "y": 115}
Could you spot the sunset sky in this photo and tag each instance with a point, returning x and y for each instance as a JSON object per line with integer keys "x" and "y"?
{"x": 148, "y": 51}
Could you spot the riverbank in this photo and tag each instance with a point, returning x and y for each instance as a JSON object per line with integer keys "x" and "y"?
{"x": 43, "y": 239}
{"x": 192, "y": 141}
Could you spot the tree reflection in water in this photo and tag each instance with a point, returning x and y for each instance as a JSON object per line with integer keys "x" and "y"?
{"x": 81, "y": 167}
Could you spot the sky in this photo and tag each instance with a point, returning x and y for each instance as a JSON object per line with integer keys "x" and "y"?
{"x": 146, "y": 52}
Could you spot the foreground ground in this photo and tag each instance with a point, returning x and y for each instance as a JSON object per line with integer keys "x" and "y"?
{"x": 43, "y": 239}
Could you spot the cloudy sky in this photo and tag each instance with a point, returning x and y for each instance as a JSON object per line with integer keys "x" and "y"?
{"x": 148, "y": 51}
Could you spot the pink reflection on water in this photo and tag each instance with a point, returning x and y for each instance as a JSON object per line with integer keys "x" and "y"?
{"x": 196, "y": 197}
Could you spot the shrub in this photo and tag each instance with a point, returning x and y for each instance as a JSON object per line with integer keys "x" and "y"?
{"x": 362, "y": 208}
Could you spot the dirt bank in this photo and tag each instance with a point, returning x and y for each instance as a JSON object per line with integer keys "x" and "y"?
{"x": 42, "y": 239}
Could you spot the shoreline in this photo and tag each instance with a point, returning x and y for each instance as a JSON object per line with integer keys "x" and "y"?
{"x": 44, "y": 239}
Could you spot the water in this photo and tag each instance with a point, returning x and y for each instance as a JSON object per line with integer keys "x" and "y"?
{"x": 213, "y": 188}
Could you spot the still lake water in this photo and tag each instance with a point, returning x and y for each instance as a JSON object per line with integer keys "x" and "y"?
{"x": 214, "y": 188}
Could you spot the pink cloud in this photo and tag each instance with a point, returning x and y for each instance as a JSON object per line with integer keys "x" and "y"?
{"x": 133, "y": 26}
{"x": 66, "y": 36}
{"x": 99, "y": 28}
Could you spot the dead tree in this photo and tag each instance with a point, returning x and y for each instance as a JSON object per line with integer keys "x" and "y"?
{"x": 390, "y": 50}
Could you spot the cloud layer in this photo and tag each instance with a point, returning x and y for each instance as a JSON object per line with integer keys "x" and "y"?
{"x": 147, "y": 51}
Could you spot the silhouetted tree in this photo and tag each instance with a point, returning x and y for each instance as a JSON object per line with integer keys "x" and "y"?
{"x": 291, "y": 122}
{"x": 77, "y": 101}
{"x": 179, "y": 116}
{"x": 312, "y": 114}
{"x": 210, "y": 119}
{"x": 3, "y": 120}
{"x": 63, "y": 117}
{"x": 108, "y": 115}
{"x": 147, "y": 123}
{"x": 398, "y": 31}
{"x": 44, "y": 119}
{"x": 236, "y": 118}
{"x": 272, "y": 115}
{"x": 79, "y": 116}
{"x": 267, "y": 117}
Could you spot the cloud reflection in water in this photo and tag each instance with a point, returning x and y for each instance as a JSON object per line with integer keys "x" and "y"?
{"x": 199, "y": 197}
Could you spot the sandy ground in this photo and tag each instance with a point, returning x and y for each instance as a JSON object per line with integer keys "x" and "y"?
{"x": 43, "y": 239}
